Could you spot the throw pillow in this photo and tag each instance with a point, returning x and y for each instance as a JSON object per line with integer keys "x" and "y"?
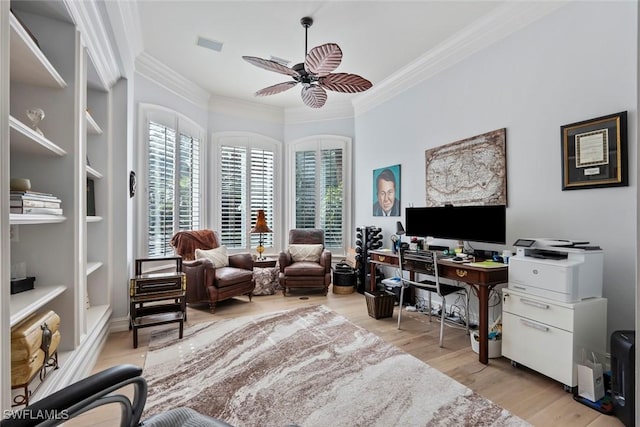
{"x": 301, "y": 253}
{"x": 218, "y": 256}
{"x": 266, "y": 280}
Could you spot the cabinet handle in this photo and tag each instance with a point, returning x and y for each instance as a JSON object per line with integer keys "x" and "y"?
{"x": 461, "y": 273}
{"x": 381, "y": 258}
{"x": 534, "y": 325}
{"x": 535, "y": 304}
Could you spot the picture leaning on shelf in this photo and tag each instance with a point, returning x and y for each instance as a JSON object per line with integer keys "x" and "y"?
{"x": 33, "y": 202}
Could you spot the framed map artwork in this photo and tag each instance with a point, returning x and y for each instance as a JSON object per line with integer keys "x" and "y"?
{"x": 472, "y": 171}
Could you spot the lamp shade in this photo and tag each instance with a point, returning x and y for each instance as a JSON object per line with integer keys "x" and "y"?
{"x": 261, "y": 224}
{"x": 399, "y": 228}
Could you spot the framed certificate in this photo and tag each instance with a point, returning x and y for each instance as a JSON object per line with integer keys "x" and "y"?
{"x": 594, "y": 153}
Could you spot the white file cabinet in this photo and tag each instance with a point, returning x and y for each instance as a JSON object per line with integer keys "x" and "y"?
{"x": 548, "y": 336}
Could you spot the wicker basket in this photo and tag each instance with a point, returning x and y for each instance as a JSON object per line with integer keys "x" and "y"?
{"x": 380, "y": 304}
{"x": 343, "y": 290}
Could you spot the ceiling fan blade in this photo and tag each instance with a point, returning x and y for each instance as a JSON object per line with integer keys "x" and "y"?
{"x": 269, "y": 65}
{"x": 345, "y": 82}
{"x": 314, "y": 96}
{"x": 272, "y": 90}
{"x": 322, "y": 60}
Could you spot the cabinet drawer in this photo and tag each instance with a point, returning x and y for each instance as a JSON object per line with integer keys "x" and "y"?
{"x": 387, "y": 259}
{"x": 538, "y": 310}
{"x": 540, "y": 347}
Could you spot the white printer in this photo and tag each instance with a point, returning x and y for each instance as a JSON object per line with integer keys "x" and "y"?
{"x": 560, "y": 270}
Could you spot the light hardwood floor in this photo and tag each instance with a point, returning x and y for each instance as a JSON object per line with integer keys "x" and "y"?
{"x": 534, "y": 397}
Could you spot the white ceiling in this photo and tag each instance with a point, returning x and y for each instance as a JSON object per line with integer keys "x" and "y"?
{"x": 377, "y": 38}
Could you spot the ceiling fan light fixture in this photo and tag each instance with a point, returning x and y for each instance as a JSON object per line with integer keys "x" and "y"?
{"x": 315, "y": 73}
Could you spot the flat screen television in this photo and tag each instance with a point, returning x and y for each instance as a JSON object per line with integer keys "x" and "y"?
{"x": 485, "y": 224}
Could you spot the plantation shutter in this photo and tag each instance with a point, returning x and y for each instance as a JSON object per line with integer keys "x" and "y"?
{"x": 247, "y": 177}
{"x": 173, "y": 170}
{"x": 262, "y": 192}
{"x": 161, "y": 178}
{"x": 306, "y": 189}
{"x": 233, "y": 169}
{"x": 331, "y": 197}
{"x": 189, "y": 184}
{"x": 319, "y": 193}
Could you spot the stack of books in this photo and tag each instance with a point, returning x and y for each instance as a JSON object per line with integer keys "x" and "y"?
{"x": 33, "y": 202}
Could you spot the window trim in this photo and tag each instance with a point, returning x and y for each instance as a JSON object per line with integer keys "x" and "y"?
{"x": 182, "y": 124}
{"x": 318, "y": 142}
{"x": 214, "y": 202}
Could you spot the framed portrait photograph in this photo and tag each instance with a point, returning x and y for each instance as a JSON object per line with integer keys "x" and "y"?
{"x": 594, "y": 153}
{"x": 386, "y": 191}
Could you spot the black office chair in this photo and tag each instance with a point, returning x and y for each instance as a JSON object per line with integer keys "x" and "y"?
{"x": 426, "y": 262}
{"x": 99, "y": 389}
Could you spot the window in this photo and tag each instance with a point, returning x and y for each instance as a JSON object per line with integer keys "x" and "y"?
{"x": 172, "y": 181}
{"x": 321, "y": 188}
{"x": 246, "y": 181}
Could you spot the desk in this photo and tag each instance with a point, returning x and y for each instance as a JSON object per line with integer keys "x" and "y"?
{"x": 480, "y": 279}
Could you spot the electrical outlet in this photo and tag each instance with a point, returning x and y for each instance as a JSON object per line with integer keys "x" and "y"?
{"x": 13, "y": 233}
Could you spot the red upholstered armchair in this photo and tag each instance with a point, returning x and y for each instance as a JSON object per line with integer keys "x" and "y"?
{"x": 209, "y": 280}
{"x": 306, "y": 263}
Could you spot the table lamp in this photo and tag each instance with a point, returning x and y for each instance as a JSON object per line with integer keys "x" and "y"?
{"x": 260, "y": 227}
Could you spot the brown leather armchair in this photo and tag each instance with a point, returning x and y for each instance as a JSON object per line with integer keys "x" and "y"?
{"x": 207, "y": 284}
{"x": 305, "y": 273}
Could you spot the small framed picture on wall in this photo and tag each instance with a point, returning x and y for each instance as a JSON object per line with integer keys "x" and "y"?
{"x": 386, "y": 191}
{"x": 594, "y": 153}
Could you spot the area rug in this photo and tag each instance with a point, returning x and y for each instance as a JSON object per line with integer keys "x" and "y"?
{"x": 307, "y": 367}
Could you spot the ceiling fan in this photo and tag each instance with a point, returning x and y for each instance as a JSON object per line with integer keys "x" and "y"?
{"x": 315, "y": 73}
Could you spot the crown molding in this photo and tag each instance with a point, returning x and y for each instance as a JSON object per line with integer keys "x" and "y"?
{"x": 151, "y": 68}
{"x": 245, "y": 109}
{"x": 341, "y": 110}
{"x": 96, "y": 37}
{"x": 503, "y": 21}
{"x": 125, "y": 24}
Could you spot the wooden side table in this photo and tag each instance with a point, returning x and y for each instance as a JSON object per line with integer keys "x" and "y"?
{"x": 157, "y": 298}
{"x": 264, "y": 263}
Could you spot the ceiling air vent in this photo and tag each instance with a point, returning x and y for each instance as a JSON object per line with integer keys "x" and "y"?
{"x": 210, "y": 44}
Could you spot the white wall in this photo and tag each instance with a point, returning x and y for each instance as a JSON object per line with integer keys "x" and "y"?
{"x": 578, "y": 63}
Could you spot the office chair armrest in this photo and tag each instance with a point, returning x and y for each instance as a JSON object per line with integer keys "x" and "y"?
{"x": 84, "y": 395}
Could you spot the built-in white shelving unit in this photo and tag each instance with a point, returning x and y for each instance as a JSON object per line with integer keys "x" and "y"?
{"x": 49, "y": 64}
{"x": 28, "y": 141}
{"x": 25, "y": 303}
{"x": 92, "y": 126}
{"x": 24, "y": 219}
{"x": 92, "y": 173}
